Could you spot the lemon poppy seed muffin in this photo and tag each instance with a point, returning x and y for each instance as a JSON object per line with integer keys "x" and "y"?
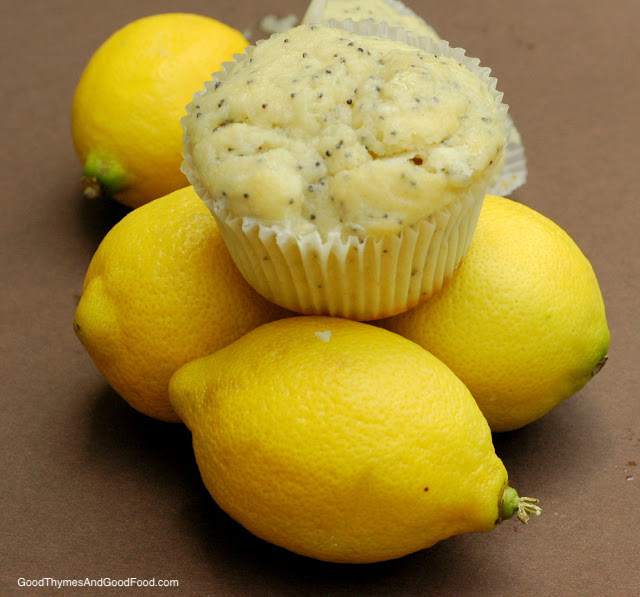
{"x": 391, "y": 12}
{"x": 346, "y": 171}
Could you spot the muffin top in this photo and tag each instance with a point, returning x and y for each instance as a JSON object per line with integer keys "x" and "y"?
{"x": 325, "y": 130}
{"x": 379, "y": 11}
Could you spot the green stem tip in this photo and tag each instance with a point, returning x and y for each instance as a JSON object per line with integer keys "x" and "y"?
{"x": 102, "y": 175}
{"x": 523, "y": 507}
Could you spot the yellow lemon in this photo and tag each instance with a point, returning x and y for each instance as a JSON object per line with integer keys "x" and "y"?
{"x": 126, "y": 110}
{"x": 162, "y": 290}
{"x": 522, "y": 322}
{"x": 341, "y": 441}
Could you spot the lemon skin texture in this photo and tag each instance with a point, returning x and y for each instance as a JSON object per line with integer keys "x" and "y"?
{"x": 162, "y": 290}
{"x": 522, "y": 322}
{"x": 339, "y": 440}
{"x": 126, "y": 109}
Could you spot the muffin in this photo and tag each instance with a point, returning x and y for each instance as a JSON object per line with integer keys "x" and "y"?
{"x": 395, "y": 14}
{"x": 391, "y": 12}
{"x": 345, "y": 170}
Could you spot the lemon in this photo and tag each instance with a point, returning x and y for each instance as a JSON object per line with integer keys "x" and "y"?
{"x": 162, "y": 290}
{"x": 522, "y": 322}
{"x": 341, "y": 441}
{"x": 126, "y": 110}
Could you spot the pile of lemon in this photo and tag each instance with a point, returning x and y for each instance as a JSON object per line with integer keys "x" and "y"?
{"x": 339, "y": 440}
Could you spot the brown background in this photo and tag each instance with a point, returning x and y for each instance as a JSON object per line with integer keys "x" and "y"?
{"x": 89, "y": 488}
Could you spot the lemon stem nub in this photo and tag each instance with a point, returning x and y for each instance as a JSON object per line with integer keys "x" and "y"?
{"x": 91, "y": 188}
{"x": 522, "y": 507}
{"x": 102, "y": 176}
{"x": 600, "y": 365}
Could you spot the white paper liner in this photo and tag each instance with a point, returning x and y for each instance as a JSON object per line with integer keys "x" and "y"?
{"x": 355, "y": 279}
{"x": 514, "y": 170}
{"x": 352, "y": 278}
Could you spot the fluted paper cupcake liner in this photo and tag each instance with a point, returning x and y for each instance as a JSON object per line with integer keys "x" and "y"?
{"x": 351, "y": 278}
